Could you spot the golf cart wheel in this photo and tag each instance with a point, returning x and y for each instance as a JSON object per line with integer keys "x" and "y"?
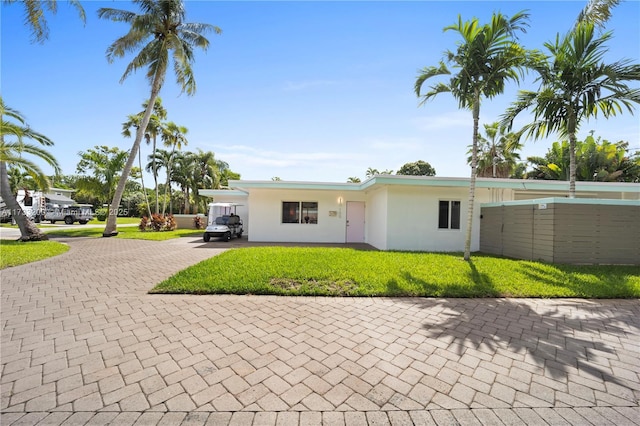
{"x": 227, "y": 236}
{"x": 68, "y": 220}
{"x": 206, "y": 237}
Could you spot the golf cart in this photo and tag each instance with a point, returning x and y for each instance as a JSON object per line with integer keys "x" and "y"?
{"x": 223, "y": 222}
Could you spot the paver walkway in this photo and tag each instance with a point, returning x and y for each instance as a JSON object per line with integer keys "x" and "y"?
{"x": 82, "y": 343}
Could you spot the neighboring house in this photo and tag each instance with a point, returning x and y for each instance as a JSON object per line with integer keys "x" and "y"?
{"x": 35, "y": 203}
{"x": 388, "y": 212}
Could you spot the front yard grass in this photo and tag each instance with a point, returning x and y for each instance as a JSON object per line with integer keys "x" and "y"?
{"x": 14, "y": 253}
{"x": 348, "y": 272}
{"x": 131, "y": 232}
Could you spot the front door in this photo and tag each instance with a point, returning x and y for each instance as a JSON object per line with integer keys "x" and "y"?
{"x": 355, "y": 221}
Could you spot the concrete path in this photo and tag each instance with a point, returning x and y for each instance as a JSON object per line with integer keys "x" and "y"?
{"x": 83, "y": 343}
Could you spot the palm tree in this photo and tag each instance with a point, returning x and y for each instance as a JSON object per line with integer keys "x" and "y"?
{"x": 497, "y": 156}
{"x": 34, "y": 15}
{"x": 13, "y": 132}
{"x": 182, "y": 170}
{"x": 162, "y": 159}
{"x": 100, "y": 168}
{"x": 159, "y": 32}
{"x": 597, "y": 11}
{"x": 173, "y": 136}
{"x": 575, "y": 84}
{"x": 154, "y": 128}
{"x": 487, "y": 57}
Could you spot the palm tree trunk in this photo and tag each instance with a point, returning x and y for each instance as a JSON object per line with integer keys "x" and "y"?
{"x": 155, "y": 173}
{"x": 110, "y": 228}
{"x": 28, "y": 229}
{"x": 571, "y": 130}
{"x": 472, "y": 181}
{"x": 144, "y": 190}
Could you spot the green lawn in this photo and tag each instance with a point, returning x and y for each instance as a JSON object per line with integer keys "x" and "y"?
{"x": 349, "y": 272}
{"x": 13, "y": 253}
{"x": 131, "y": 232}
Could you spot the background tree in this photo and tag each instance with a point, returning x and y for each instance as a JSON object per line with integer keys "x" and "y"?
{"x": 175, "y": 137}
{"x": 100, "y": 169}
{"x": 155, "y": 127}
{"x": 418, "y": 168}
{"x": 371, "y": 172}
{"x": 497, "y": 152}
{"x": 34, "y": 16}
{"x": 575, "y": 84}
{"x": 597, "y": 12}
{"x": 156, "y": 33}
{"x": 486, "y": 58}
{"x": 13, "y": 132}
{"x": 596, "y": 160}
{"x": 354, "y": 179}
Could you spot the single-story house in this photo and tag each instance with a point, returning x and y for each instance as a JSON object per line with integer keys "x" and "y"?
{"x": 389, "y": 212}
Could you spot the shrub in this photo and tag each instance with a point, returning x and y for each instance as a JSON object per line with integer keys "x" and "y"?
{"x": 157, "y": 223}
{"x": 198, "y": 222}
{"x": 101, "y": 214}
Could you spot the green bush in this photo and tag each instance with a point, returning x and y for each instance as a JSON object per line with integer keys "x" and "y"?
{"x": 101, "y": 214}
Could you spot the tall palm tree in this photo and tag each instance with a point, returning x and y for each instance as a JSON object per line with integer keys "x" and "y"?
{"x": 175, "y": 137}
{"x": 13, "y": 132}
{"x": 575, "y": 84}
{"x": 154, "y": 128}
{"x": 158, "y": 34}
{"x": 486, "y": 58}
{"x": 35, "y": 19}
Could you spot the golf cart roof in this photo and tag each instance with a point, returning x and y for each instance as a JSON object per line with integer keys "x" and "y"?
{"x": 224, "y": 204}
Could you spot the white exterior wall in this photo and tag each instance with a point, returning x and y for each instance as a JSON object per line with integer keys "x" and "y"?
{"x": 413, "y": 218}
{"x": 376, "y": 212}
{"x": 242, "y": 210}
{"x": 265, "y": 210}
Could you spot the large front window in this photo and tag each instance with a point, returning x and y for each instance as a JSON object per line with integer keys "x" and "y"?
{"x": 305, "y": 212}
{"x": 449, "y": 215}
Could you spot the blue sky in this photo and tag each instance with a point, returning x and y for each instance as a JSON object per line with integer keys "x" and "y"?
{"x": 301, "y": 90}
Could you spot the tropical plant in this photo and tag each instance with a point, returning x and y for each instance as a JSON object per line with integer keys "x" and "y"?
{"x": 155, "y": 127}
{"x": 13, "y": 132}
{"x": 575, "y": 84}
{"x": 34, "y": 16}
{"x": 596, "y": 160}
{"x": 597, "y": 12}
{"x": 100, "y": 168}
{"x": 486, "y": 58}
{"x": 497, "y": 152}
{"x": 157, "y": 34}
{"x": 353, "y": 179}
{"x": 175, "y": 137}
{"x": 371, "y": 172}
{"x": 418, "y": 168}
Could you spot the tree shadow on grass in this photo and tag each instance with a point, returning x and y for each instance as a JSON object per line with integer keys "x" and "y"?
{"x": 565, "y": 338}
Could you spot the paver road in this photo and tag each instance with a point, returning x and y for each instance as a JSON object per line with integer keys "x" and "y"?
{"x": 83, "y": 343}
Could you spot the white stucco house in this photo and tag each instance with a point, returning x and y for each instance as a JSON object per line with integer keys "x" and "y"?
{"x": 389, "y": 212}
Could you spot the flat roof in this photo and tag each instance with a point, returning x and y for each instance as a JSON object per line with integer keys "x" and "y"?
{"x": 382, "y": 180}
{"x": 562, "y": 200}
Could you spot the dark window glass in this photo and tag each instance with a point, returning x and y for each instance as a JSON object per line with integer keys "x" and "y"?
{"x": 310, "y": 212}
{"x": 455, "y": 215}
{"x": 290, "y": 212}
{"x": 443, "y": 215}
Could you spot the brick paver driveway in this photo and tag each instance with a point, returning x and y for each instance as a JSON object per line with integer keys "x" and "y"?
{"x": 82, "y": 343}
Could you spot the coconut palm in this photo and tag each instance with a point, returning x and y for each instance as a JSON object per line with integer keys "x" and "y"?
{"x": 162, "y": 159}
{"x": 486, "y": 58}
{"x": 34, "y": 15}
{"x": 159, "y": 35}
{"x": 575, "y": 84}
{"x": 173, "y": 136}
{"x": 13, "y": 132}
{"x": 154, "y": 128}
